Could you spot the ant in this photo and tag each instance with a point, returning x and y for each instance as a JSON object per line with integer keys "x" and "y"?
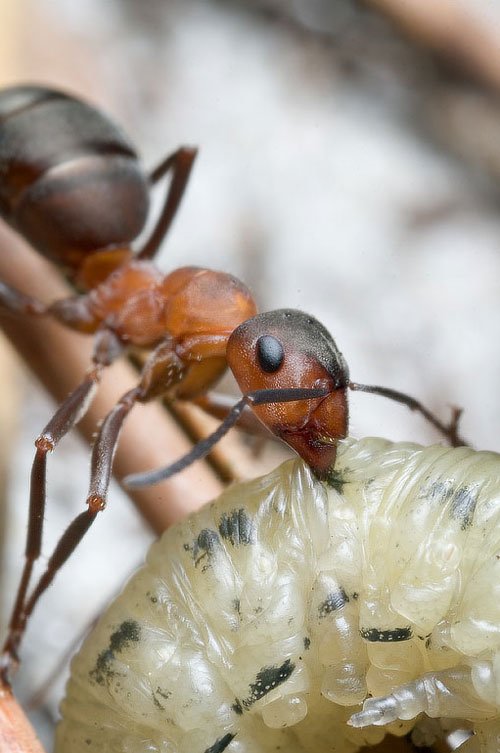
{"x": 71, "y": 183}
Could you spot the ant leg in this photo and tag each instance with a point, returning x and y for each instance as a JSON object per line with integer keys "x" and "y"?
{"x": 104, "y": 450}
{"x": 71, "y": 536}
{"x": 19, "y": 303}
{"x": 162, "y": 369}
{"x": 65, "y": 418}
{"x": 203, "y": 447}
{"x": 181, "y": 163}
{"x": 218, "y": 406}
{"x": 450, "y": 431}
{"x": 198, "y": 452}
{"x": 72, "y": 311}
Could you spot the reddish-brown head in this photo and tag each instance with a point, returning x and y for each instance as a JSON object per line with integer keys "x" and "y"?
{"x": 287, "y": 349}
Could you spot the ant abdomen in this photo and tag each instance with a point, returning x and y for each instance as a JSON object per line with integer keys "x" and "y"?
{"x": 71, "y": 179}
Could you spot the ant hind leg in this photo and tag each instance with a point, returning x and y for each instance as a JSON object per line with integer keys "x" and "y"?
{"x": 181, "y": 163}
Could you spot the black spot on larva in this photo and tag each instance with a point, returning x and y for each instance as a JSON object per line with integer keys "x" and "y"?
{"x": 439, "y": 491}
{"x": 220, "y": 744}
{"x": 307, "y": 642}
{"x": 157, "y": 703}
{"x": 208, "y": 540}
{"x": 462, "y": 501}
{"x": 463, "y": 505}
{"x": 237, "y": 528}
{"x": 237, "y": 707}
{"x": 165, "y": 694}
{"x": 128, "y": 632}
{"x": 205, "y": 546}
{"x": 374, "y": 635}
{"x": 335, "y": 480}
{"x": 335, "y": 600}
{"x": 267, "y": 679}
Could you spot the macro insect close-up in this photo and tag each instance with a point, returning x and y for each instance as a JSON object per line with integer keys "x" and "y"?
{"x": 347, "y": 598}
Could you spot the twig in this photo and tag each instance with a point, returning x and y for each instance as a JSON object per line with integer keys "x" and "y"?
{"x": 451, "y": 31}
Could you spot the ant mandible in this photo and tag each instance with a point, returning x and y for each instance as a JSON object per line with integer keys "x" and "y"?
{"x": 72, "y": 185}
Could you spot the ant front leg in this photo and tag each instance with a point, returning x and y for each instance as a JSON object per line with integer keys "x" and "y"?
{"x": 65, "y": 418}
{"x": 181, "y": 163}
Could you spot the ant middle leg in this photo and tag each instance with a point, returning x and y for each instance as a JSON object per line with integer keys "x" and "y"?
{"x": 162, "y": 371}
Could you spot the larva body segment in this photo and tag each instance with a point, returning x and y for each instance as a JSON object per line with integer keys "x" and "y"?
{"x": 263, "y": 622}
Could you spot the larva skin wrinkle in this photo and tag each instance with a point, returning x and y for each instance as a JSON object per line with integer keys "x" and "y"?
{"x": 292, "y": 615}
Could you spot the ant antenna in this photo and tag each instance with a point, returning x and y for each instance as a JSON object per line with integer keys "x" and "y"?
{"x": 203, "y": 447}
{"x": 450, "y": 431}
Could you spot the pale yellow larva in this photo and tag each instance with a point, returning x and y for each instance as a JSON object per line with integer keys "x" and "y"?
{"x": 266, "y": 621}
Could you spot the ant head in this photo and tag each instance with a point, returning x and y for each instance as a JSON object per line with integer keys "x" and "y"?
{"x": 284, "y": 350}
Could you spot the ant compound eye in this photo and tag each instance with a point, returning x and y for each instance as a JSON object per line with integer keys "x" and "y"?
{"x": 270, "y": 353}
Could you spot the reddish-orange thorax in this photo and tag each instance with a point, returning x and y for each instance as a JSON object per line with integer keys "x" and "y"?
{"x": 198, "y": 308}
{"x": 192, "y": 310}
{"x": 205, "y": 305}
{"x": 130, "y": 302}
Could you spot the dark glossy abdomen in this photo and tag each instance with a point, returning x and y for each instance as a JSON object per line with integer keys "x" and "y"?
{"x": 70, "y": 180}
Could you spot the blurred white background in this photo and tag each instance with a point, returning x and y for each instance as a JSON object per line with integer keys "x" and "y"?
{"x": 342, "y": 171}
